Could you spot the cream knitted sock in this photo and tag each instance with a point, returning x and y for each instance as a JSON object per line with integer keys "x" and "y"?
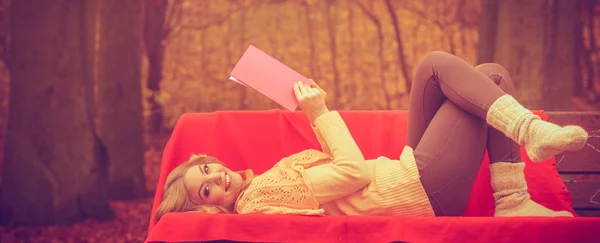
{"x": 542, "y": 139}
{"x": 510, "y": 193}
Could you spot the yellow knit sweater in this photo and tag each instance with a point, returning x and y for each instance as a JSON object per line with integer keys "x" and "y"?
{"x": 337, "y": 181}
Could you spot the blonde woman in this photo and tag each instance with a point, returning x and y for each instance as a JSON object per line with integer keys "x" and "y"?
{"x": 456, "y": 112}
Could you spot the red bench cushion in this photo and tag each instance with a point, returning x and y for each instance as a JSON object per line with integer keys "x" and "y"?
{"x": 258, "y": 139}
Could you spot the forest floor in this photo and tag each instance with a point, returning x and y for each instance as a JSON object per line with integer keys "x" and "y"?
{"x": 130, "y": 224}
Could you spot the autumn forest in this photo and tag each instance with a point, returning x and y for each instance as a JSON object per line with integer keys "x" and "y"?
{"x": 90, "y": 90}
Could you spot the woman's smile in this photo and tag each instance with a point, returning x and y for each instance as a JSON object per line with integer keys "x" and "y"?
{"x": 227, "y": 181}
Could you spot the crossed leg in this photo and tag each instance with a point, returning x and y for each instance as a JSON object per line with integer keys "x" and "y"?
{"x": 448, "y": 131}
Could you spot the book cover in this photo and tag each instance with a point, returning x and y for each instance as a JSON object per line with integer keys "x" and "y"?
{"x": 265, "y": 74}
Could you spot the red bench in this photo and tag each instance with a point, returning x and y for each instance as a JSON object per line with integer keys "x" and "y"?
{"x": 258, "y": 139}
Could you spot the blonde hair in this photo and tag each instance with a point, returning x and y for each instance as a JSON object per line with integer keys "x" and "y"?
{"x": 175, "y": 198}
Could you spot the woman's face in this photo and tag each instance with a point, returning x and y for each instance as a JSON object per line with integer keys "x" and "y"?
{"x": 212, "y": 184}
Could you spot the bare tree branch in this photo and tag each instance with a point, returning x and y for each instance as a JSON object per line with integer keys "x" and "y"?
{"x": 380, "y": 38}
{"x": 214, "y": 21}
{"x": 423, "y": 15}
{"x": 173, "y": 16}
{"x": 276, "y": 28}
{"x": 229, "y": 54}
{"x": 398, "y": 37}
{"x": 444, "y": 26}
{"x": 333, "y": 46}
{"x": 351, "y": 51}
{"x": 311, "y": 41}
{"x": 370, "y": 15}
{"x": 242, "y": 43}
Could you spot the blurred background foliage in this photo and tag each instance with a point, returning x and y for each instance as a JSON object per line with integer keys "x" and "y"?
{"x": 362, "y": 52}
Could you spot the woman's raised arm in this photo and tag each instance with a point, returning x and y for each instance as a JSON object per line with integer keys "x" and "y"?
{"x": 348, "y": 171}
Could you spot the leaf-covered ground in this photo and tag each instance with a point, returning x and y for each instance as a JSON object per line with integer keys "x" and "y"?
{"x": 130, "y": 225}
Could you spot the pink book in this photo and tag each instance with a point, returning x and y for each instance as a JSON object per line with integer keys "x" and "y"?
{"x": 265, "y": 74}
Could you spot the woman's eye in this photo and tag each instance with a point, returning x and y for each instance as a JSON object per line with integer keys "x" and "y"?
{"x": 206, "y": 169}
{"x": 206, "y": 191}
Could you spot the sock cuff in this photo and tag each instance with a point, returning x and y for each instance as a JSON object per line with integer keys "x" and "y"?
{"x": 508, "y": 176}
{"x": 507, "y": 115}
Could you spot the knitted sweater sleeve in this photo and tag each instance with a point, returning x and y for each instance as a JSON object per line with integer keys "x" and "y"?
{"x": 322, "y": 142}
{"x": 348, "y": 172}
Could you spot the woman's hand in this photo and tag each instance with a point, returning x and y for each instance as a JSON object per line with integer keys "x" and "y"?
{"x": 311, "y": 99}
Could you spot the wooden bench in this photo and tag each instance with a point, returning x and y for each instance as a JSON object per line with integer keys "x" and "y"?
{"x": 581, "y": 170}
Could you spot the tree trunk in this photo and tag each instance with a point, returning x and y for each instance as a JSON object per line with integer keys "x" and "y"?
{"x": 488, "y": 23}
{"x": 4, "y": 53}
{"x": 154, "y": 36}
{"x": 351, "y": 52}
{"x": 53, "y": 169}
{"x": 4, "y": 30}
{"x": 370, "y": 13}
{"x": 119, "y": 95}
{"x": 592, "y": 39}
{"x": 536, "y": 44}
{"x": 582, "y": 56}
{"x": 400, "y": 43}
{"x": 311, "y": 42}
{"x": 459, "y": 16}
{"x": 330, "y": 17}
{"x": 242, "y": 43}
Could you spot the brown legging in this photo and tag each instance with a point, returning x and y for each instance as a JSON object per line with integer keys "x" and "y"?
{"x": 447, "y": 129}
